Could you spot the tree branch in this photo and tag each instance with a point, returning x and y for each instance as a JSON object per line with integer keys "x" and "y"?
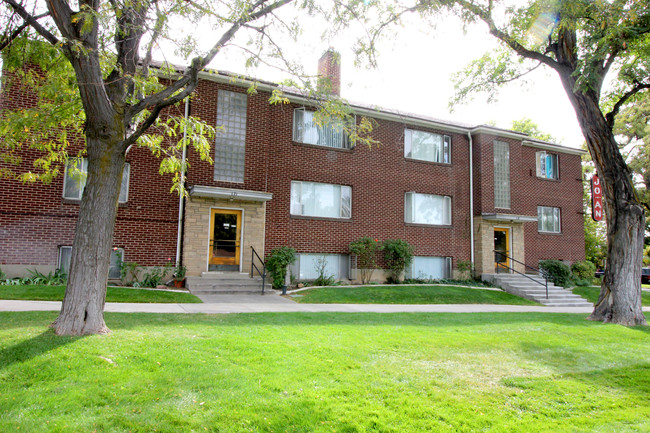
{"x": 610, "y": 117}
{"x": 9, "y": 39}
{"x": 32, "y": 21}
{"x": 188, "y": 81}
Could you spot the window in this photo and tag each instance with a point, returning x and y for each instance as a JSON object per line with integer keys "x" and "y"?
{"x": 548, "y": 219}
{"x": 427, "y": 146}
{"x": 547, "y": 166}
{"x": 308, "y": 266}
{"x": 117, "y": 254}
{"x": 306, "y": 130}
{"x": 230, "y": 142}
{"x": 321, "y": 200}
{"x": 501, "y": 175}
{"x": 427, "y": 209}
{"x": 429, "y": 268}
{"x": 74, "y": 180}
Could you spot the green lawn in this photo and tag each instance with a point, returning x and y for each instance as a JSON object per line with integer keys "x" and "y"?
{"x": 113, "y": 294}
{"x": 417, "y": 294}
{"x": 591, "y": 294}
{"x": 401, "y": 373}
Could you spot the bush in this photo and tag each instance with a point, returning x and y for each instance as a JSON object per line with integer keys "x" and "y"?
{"x": 2, "y": 275}
{"x": 557, "y": 272}
{"x": 323, "y": 279}
{"x": 583, "y": 270}
{"x": 398, "y": 254}
{"x": 366, "y": 251}
{"x": 277, "y": 262}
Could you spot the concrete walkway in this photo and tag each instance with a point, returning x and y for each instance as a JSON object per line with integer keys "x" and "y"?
{"x": 223, "y": 304}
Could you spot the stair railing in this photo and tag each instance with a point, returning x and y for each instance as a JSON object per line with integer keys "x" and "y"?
{"x": 254, "y": 267}
{"x": 500, "y": 254}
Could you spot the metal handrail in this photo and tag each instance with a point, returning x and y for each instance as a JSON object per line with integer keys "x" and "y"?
{"x": 521, "y": 273}
{"x": 254, "y": 267}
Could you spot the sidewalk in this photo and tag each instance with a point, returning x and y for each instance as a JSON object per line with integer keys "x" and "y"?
{"x": 277, "y": 304}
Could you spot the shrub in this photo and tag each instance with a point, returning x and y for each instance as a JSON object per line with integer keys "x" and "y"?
{"x": 465, "y": 268}
{"x": 583, "y": 270}
{"x": 323, "y": 279}
{"x": 557, "y": 272}
{"x": 398, "y": 254}
{"x": 277, "y": 262}
{"x": 2, "y": 275}
{"x": 155, "y": 277}
{"x": 366, "y": 251}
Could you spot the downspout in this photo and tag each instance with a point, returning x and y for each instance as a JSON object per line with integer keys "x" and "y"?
{"x": 181, "y": 198}
{"x": 471, "y": 198}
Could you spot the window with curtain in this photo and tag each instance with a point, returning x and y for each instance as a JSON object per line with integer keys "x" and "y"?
{"x": 548, "y": 219}
{"x": 547, "y": 165}
{"x": 427, "y": 209}
{"x": 306, "y": 130}
{"x": 321, "y": 200}
{"x": 427, "y": 146}
{"x": 429, "y": 268}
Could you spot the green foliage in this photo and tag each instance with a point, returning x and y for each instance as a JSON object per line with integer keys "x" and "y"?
{"x": 3, "y": 276}
{"x": 277, "y": 262}
{"x": 465, "y": 268}
{"x": 179, "y": 272}
{"x": 583, "y": 270}
{"x": 155, "y": 276}
{"x": 35, "y": 277}
{"x": 398, "y": 254}
{"x": 557, "y": 272}
{"x": 527, "y": 126}
{"x": 365, "y": 249}
{"x": 31, "y": 292}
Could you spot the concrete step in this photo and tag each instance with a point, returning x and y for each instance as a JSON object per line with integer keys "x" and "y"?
{"x": 225, "y": 283}
{"x": 521, "y": 286}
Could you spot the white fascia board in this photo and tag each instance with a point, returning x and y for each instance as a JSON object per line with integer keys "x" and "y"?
{"x": 229, "y": 193}
{"x": 508, "y": 217}
{"x": 553, "y": 147}
{"x": 498, "y": 132}
{"x": 301, "y": 99}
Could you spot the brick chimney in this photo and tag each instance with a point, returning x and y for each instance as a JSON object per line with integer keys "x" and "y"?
{"x": 329, "y": 72}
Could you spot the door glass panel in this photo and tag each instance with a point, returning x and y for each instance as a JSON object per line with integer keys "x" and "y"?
{"x": 224, "y": 235}
{"x": 501, "y": 250}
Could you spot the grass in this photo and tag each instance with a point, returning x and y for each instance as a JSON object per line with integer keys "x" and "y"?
{"x": 113, "y": 294}
{"x": 591, "y": 294}
{"x": 326, "y": 372}
{"x": 419, "y": 294}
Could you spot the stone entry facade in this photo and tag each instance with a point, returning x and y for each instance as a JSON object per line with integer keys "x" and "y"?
{"x": 484, "y": 241}
{"x": 196, "y": 238}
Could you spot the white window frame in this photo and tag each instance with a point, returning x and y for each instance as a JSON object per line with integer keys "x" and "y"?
{"x": 541, "y": 166}
{"x": 329, "y": 131}
{"x": 444, "y": 151}
{"x": 78, "y": 167}
{"x": 555, "y": 214}
{"x": 297, "y": 207}
{"x": 410, "y": 214}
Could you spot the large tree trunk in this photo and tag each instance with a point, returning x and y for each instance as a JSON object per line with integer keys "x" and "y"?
{"x": 82, "y": 311}
{"x": 620, "y": 293}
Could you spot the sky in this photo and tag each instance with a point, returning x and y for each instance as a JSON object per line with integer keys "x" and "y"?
{"x": 414, "y": 75}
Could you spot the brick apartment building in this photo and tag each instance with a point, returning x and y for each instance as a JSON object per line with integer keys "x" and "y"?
{"x": 454, "y": 192}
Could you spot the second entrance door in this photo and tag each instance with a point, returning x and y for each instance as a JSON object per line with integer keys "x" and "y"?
{"x": 225, "y": 239}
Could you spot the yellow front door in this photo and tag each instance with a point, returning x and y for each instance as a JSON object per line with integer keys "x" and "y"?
{"x": 502, "y": 250}
{"x": 225, "y": 237}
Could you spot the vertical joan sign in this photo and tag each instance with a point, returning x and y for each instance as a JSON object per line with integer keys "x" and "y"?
{"x": 596, "y": 199}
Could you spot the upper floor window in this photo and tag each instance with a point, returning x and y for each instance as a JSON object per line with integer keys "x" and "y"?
{"x": 306, "y": 130}
{"x": 427, "y": 146}
{"x": 74, "y": 180}
{"x": 547, "y": 166}
{"x": 427, "y": 209}
{"x": 501, "y": 175}
{"x": 548, "y": 219}
{"x": 321, "y": 200}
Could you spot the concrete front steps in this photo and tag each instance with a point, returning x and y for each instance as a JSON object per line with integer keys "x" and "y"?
{"x": 524, "y": 287}
{"x": 226, "y": 283}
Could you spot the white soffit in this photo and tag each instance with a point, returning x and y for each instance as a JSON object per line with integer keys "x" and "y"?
{"x": 509, "y": 217}
{"x": 229, "y": 193}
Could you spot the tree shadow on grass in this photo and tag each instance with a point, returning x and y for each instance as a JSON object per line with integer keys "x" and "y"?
{"x": 33, "y": 348}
